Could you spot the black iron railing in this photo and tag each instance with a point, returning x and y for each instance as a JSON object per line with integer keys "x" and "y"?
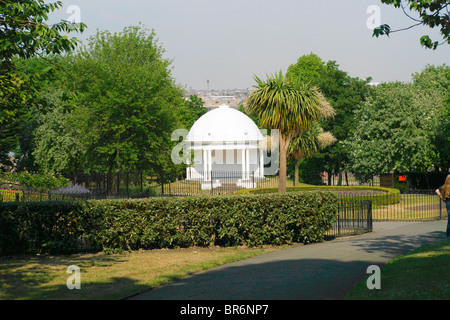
{"x": 354, "y": 217}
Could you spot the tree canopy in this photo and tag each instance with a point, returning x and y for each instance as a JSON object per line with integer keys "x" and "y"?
{"x": 397, "y": 127}
{"x": 344, "y": 93}
{"x": 431, "y": 13}
{"x": 25, "y": 34}
{"x": 127, "y": 103}
{"x": 287, "y": 105}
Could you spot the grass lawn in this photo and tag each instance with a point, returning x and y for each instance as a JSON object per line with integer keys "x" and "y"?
{"x": 423, "y": 274}
{"x": 106, "y": 277}
{"x": 411, "y": 207}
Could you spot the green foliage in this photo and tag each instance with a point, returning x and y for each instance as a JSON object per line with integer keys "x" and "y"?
{"x": 37, "y": 227}
{"x": 12, "y": 113}
{"x": 309, "y": 68}
{"x": 35, "y": 181}
{"x": 127, "y": 102}
{"x": 25, "y": 33}
{"x": 388, "y": 195}
{"x": 57, "y": 142}
{"x": 194, "y": 110}
{"x": 436, "y": 82}
{"x": 421, "y": 274}
{"x": 432, "y": 13}
{"x": 344, "y": 93}
{"x": 398, "y": 126}
{"x": 283, "y": 104}
{"x": 251, "y": 220}
{"x": 287, "y": 105}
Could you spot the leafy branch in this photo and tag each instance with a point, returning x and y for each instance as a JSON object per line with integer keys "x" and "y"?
{"x": 434, "y": 14}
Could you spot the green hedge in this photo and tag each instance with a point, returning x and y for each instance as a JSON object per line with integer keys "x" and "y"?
{"x": 389, "y": 195}
{"x": 111, "y": 225}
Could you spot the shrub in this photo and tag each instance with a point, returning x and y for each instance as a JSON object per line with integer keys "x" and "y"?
{"x": 388, "y": 195}
{"x": 34, "y": 227}
{"x": 35, "y": 181}
{"x": 112, "y": 225}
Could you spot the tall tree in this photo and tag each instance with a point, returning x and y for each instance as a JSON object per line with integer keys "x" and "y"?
{"x": 396, "y": 131}
{"x": 12, "y": 113}
{"x": 127, "y": 101}
{"x": 291, "y": 107}
{"x": 433, "y": 84}
{"x": 309, "y": 68}
{"x": 344, "y": 94}
{"x": 194, "y": 109}
{"x": 24, "y": 34}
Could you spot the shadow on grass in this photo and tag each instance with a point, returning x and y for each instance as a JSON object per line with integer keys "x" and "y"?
{"x": 28, "y": 277}
{"x": 281, "y": 278}
{"x": 422, "y": 274}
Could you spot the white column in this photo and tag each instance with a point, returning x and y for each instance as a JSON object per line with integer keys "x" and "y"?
{"x": 205, "y": 165}
{"x": 261, "y": 162}
{"x": 188, "y": 169}
{"x": 247, "y": 163}
{"x": 209, "y": 164}
{"x": 243, "y": 164}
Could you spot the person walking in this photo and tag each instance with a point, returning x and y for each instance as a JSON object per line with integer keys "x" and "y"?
{"x": 444, "y": 193}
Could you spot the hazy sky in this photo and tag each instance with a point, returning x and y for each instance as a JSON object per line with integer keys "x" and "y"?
{"x": 229, "y": 41}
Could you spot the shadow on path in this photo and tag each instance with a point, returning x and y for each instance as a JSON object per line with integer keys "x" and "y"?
{"x": 321, "y": 271}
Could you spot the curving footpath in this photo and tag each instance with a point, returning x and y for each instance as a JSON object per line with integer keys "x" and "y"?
{"x": 327, "y": 270}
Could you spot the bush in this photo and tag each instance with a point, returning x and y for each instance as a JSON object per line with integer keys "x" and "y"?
{"x": 389, "y": 195}
{"x": 35, "y": 181}
{"x": 35, "y": 227}
{"x": 112, "y": 225}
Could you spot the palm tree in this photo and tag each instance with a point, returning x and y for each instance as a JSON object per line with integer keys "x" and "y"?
{"x": 291, "y": 107}
{"x": 311, "y": 141}
{"x": 307, "y": 144}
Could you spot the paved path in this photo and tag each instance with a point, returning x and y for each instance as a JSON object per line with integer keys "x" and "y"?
{"x": 327, "y": 270}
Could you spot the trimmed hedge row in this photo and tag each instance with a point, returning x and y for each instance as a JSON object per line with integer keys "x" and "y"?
{"x": 114, "y": 225}
{"x": 389, "y": 195}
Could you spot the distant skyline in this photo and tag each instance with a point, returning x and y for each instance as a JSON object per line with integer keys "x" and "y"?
{"x": 228, "y": 42}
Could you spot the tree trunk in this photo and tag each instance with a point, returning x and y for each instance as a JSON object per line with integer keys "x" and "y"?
{"x": 284, "y": 144}
{"x": 296, "y": 179}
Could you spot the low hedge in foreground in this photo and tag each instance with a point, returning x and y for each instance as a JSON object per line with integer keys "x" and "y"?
{"x": 389, "y": 195}
{"x": 109, "y": 225}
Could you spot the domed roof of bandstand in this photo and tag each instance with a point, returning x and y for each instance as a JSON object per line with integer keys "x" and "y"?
{"x": 224, "y": 124}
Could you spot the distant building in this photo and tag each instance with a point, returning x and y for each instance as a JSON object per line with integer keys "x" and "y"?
{"x": 214, "y": 98}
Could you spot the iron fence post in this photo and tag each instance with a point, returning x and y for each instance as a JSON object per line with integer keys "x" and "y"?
{"x": 254, "y": 179}
{"x": 369, "y": 215}
{"x": 339, "y": 223}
